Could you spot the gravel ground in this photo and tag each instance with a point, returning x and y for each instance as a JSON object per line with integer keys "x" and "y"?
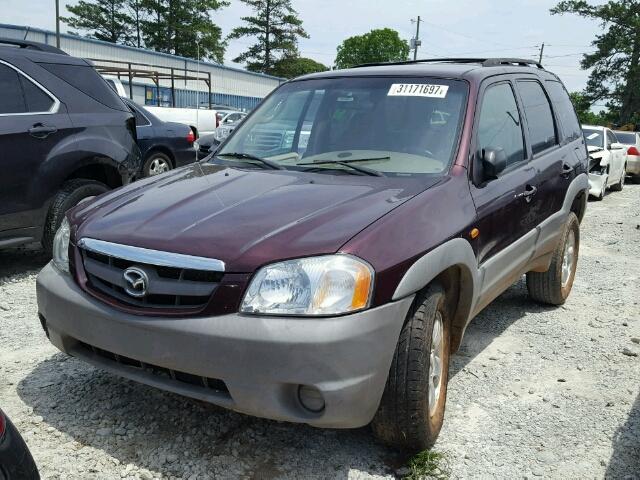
{"x": 535, "y": 392}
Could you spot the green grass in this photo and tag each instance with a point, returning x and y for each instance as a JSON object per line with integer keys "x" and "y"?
{"x": 428, "y": 465}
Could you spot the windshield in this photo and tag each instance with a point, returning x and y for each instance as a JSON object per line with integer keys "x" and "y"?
{"x": 594, "y": 138}
{"x": 396, "y": 126}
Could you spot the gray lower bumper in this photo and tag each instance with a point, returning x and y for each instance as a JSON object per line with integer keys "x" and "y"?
{"x": 633, "y": 165}
{"x": 262, "y": 360}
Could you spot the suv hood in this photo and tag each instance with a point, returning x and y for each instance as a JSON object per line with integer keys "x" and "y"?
{"x": 246, "y": 218}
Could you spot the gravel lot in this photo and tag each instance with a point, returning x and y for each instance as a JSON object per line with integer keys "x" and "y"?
{"x": 535, "y": 391}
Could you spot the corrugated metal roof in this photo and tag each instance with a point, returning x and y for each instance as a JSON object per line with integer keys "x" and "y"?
{"x": 227, "y": 80}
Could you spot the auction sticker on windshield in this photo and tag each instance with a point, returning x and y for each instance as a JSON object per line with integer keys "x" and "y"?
{"x": 418, "y": 90}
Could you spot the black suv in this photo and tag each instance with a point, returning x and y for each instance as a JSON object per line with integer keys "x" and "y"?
{"x": 64, "y": 136}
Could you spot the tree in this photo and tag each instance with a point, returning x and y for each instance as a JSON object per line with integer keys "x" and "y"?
{"x": 586, "y": 116}
{"x": 104, "y": 20}
{"x": 616, "y": 61}
{"x": 276, "y": 27}
{"x": 178, "y": 27}
{"x": 291, "y": 67}
{"x": 383, "y": 45}
{"x": 136, "y": 14}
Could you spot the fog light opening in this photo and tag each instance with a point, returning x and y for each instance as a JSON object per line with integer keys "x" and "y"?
{"x": 311, "y": 398}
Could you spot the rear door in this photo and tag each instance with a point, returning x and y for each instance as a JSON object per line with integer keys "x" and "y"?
{"x": 554, "y": 161}
{"x": 502, "y": 204}
{"x": 32, "y": 123}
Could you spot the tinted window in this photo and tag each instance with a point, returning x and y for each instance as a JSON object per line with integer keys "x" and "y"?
{"x": 628, "y": 138}
{"x": 500, "y": 125}
{"x": 564, "y": 108}
{"x": 540, "y": 121}
{"x": 141, "y": 121}
{"x": 11, "y": 99}
{"x": 594, "y": 138}
{"x": 87, "y": 80}
{"x": 35, "y": 98}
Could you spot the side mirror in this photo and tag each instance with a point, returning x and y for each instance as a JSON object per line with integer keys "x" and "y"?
{"x": 616, "y": 146}
{"x": 494, "y": 161}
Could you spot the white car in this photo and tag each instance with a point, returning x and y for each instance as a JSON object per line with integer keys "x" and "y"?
{"x": 607, "y": 160}
{"x": 631, "y": 140}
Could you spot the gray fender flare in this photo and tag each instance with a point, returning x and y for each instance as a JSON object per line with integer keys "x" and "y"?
{"x": 455, "y": 252}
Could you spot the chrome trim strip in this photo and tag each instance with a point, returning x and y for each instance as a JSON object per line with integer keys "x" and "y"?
{"x": 151, "y": 257}
{"x": 56, "y": 103}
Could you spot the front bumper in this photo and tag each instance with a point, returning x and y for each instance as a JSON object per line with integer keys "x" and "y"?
{"x": 262, "y": 360}
{"x": 597, "y": 182}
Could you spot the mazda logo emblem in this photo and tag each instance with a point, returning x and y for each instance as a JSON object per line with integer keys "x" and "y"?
{"x": 136, "y": 282}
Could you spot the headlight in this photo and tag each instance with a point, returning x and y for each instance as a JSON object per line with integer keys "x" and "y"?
{"x": 326, "y": 285}
{"x": 61, "y": 247}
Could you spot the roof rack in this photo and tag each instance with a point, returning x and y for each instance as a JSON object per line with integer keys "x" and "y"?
{"x": 485, "y": 62}
{"x": 41, "y": 47}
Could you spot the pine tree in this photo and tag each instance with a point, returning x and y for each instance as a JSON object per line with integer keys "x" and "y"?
{"x": 104, "y": 20}
{"x": 137, "y": 16}
{"x": 616, "y": 61}
{"x": 277, "y": 28}
{"x": 178, "y": 27}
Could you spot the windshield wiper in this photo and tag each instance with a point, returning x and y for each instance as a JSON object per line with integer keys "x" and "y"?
{"x": 358, "y": 168}
{"x": 248, "y": 156}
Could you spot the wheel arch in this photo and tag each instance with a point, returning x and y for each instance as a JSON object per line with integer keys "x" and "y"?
{"x": 103, "y": 170}
{"x": 453, "y": 265}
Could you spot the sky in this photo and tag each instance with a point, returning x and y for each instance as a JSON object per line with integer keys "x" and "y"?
{"x": 451, "y": 28}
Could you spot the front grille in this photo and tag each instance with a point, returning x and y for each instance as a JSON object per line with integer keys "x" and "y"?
{"x": 167, "y": 287}
{"x": 214, "y": 384}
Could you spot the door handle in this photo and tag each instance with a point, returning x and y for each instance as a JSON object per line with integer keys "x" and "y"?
{"x": 528, "y": 193}
{"x": 42, "y": 131}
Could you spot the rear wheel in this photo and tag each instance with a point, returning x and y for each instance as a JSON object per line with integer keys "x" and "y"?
{"x": 412, "y": 407}
{"x": 554, "y": 286}
{"x": 71, "y": 194}
{"x": 156, "y": 164}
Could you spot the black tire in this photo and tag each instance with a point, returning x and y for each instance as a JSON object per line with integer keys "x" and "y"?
{"x": 547, "y": 287}
{"x": 403, "y": 419}
{"x": 620, "y": 185}
{"x": 71, "y": 193}
{"x": 156, "y": 157}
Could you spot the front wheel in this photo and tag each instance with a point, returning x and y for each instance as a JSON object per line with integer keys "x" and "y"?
{"x": 620, "y": 185}
{"x": 554, "y": 286}
{"x": 412, "y": 407}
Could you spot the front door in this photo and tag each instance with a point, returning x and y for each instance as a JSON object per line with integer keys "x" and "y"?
{"x": 502, "y": 204}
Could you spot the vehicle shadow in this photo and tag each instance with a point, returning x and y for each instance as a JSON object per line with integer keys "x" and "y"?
{"x": 625, "y": 459}
{"x": 21, "y": 260}
{"x": 497, "y": 317}
{"x": 175, "y": 436}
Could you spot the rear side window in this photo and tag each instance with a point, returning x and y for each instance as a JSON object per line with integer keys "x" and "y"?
{"x": 34, "y": 97}
{"x": 500, "y": 125}
{"x": 88, "y": 81}
{"x": 564, "y": 109}
{"x": 11, "y": 99}
{"x": 542, "y": 131}
{"x": 141, "y": 120}
{"x": 20, "y": 95}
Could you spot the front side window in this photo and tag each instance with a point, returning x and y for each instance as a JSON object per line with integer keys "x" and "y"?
{"x": 500, "y": 126}
{"x": 540, "y": 121}
{"x": 611, "y": 138}
{"x": 594, "y": 137}
{"x": 396, "y": 126}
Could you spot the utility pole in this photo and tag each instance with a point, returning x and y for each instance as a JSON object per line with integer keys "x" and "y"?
{"x": 58, "y": 23}
{"x": 416, "y": 42}
{"x": 541, "y": 52}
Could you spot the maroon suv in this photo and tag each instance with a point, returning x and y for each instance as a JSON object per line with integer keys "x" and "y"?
{"x": 323, "y": 264}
